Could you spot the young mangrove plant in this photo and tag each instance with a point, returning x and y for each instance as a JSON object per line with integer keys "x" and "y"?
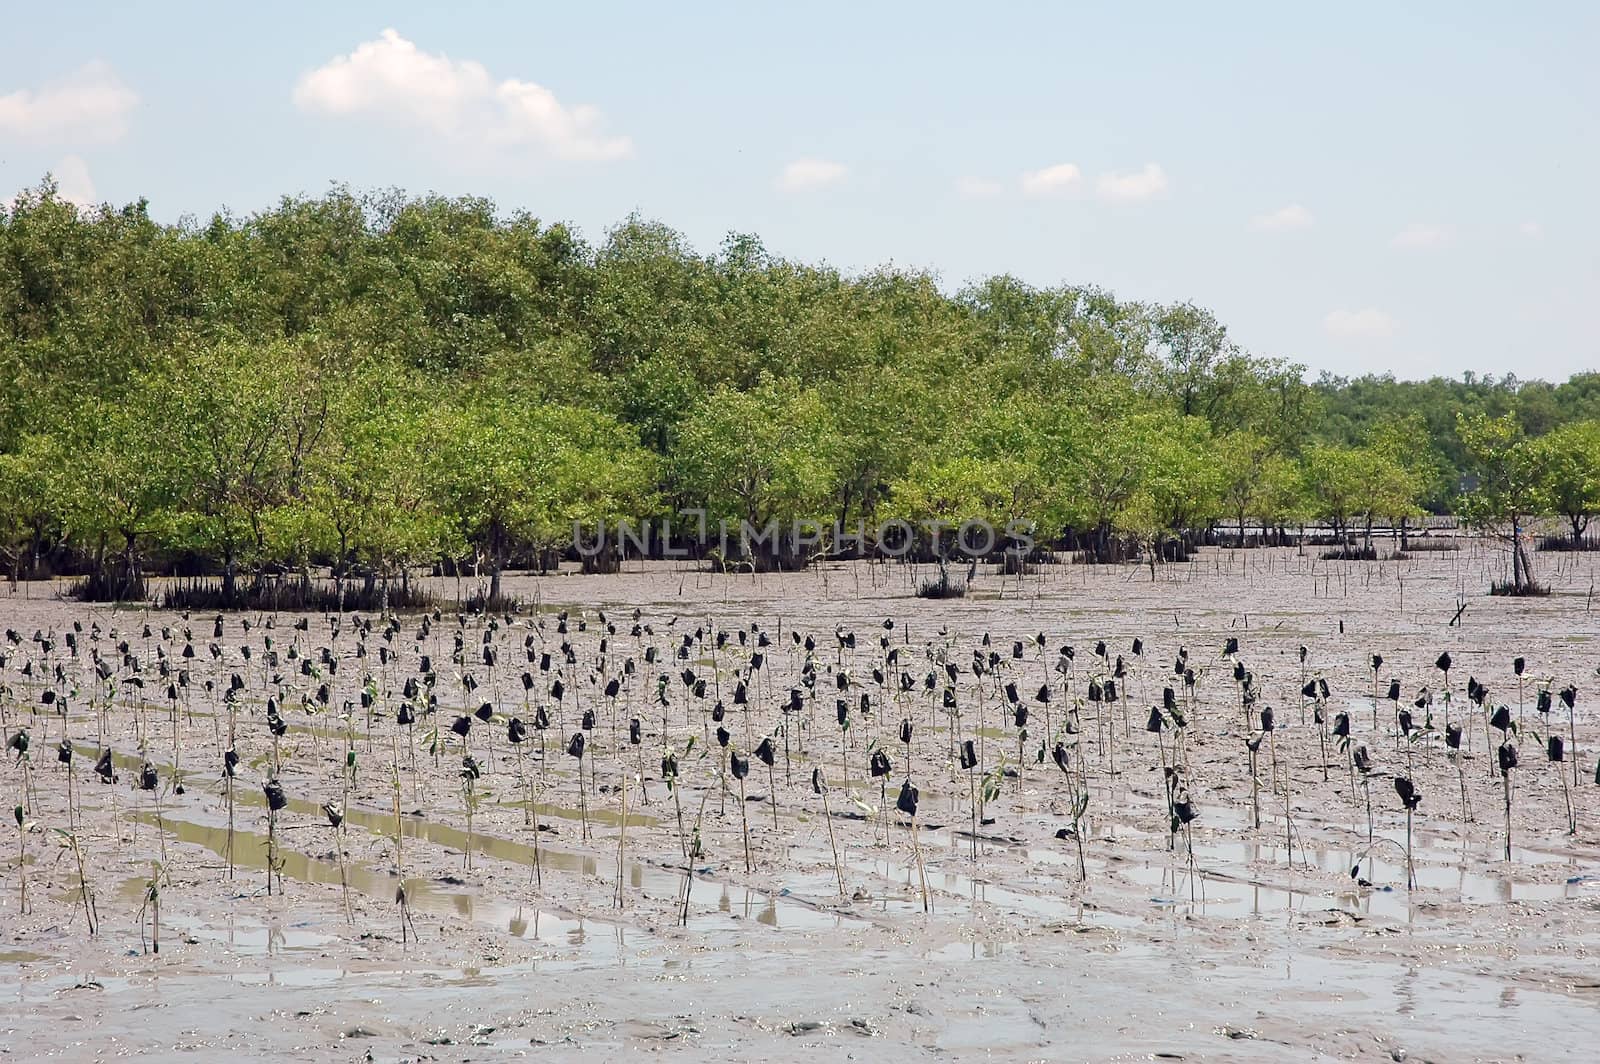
{"x": 1555, "y": 753}
{"x": 819, "y": 787}
{"x": 1569, "y": 698}
{"x": 277, "y": 801}
{"x": 1505, "y": 760}
{"x": 1252, "y": 744}
{"x": 622, "y": 836}
{"x": 1376, "y": 661}
{"x": 335, "y": 818}
{"x": 907, "y": 804}
{"x": 1452, "y": 742}
{"x": 575, "y": 748}
{"x": 739, "y": 766}
{"x": 151, "y": 903}
{"x": 24, "y": 826}
{"x": 470, "y": 797}
{"x": 85, "y": 892}
{"x": 766, "y": 754}
{"x": 1363, "y": 761}
{"x": 969, "y": 763}
{"x": 1410, "y": 797}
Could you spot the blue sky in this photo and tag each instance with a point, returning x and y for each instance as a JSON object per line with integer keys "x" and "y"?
{"x": 1355, "y": 187}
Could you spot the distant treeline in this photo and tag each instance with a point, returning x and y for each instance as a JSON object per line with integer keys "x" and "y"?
{"x": 379, "y": 382}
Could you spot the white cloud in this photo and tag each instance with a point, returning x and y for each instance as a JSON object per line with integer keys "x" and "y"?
{"x": 89, "y": 105}
{"x": 1368, "y": 323}
{"x": 1050, "y": 180}
{"x": 392, "y": 79}
{"x": 810, "y": 173}
{"x": 1133, "y": 187}
{"x": 73, "y": 183}
{"x": 1531, "y": 230}
{"x": 1418, "y": 235}
{"x": 1283, "y": 219}
{"x": 977, "y": 187}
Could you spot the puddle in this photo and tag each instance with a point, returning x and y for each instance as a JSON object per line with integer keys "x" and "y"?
{"x": 951, "y": 891}
{"x": 977, "y": 949}
{"x": 423, "y": 896}
{"x": 1434, "y": 870}
{"x": 271, "y": 938}
{"x": 1207, "y": 893}
{"x": 250, "y": 852}
{"x": 250, "y": 856}
{"x": 246, "y": 793}
{"x": 20, "y": 956}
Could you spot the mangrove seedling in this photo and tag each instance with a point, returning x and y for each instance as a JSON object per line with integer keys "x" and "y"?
{"x": 1376, "y": 661}
{"x": 470, "y": 773}
{"x": 636, "y": 740}
{"x": 23, "y": 827}
{"x": 1452, "y": 742}
{"x": 575, "y": 751}
{"x": 152, "y": 902}
{"x": 335, "y": 817}
{"x": 740, "y": 767}
{"x": 1410, "y": 797}
{"x": 1555, "y": 752}
{"x": 90, "y": 913}
{"x": 1252, "y": 744}
{"x": 516, "y": 735}
{"x": 1569, "y": 698}
{"x": 1363, "y": 761}
{"x": 669, "y": 776}
{"x": 906, "y": 802}
{"x": 969, "y": 762}
{"x": 819, "y": 786}
{"x": 766, "y": 755}
{"x": 276, "y": 802}
{"x": 1506, "y": 758}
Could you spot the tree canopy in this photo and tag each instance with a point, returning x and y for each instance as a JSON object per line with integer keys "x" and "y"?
{"x": 378, "y": 381}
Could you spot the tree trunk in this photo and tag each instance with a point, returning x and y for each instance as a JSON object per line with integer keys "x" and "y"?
{"x": 132, "y": 584}
{"x": 844, "y": 510}
{"x": 497, "y": 560}
{"x": 1516, "y": 555}
{"x": 1527, "y": 565}
{"x": 339, "y": 572}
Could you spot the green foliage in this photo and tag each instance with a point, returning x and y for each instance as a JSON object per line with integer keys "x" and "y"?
{"x": 376, "y": 382}
{"x": 25, "y": 505}
{"x": 501, "y": 472}
{"x": 1344, "y": 485}
{"x": 758, "y": 456}
{"x": 1505, "y": 464}
{"x": 1568, "y": 461}
{"x": 1509, "y": 485}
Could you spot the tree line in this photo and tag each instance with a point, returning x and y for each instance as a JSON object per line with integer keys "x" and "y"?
{"x": 378, "y": 382}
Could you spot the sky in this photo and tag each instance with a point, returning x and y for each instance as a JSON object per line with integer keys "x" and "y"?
{"x": 1356, "y": 187}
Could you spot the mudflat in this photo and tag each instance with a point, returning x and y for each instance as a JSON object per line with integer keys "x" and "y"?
{"x": 1044, "y": 903}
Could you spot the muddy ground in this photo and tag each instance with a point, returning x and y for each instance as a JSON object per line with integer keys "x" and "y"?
{"x": 1226, "y": 941}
